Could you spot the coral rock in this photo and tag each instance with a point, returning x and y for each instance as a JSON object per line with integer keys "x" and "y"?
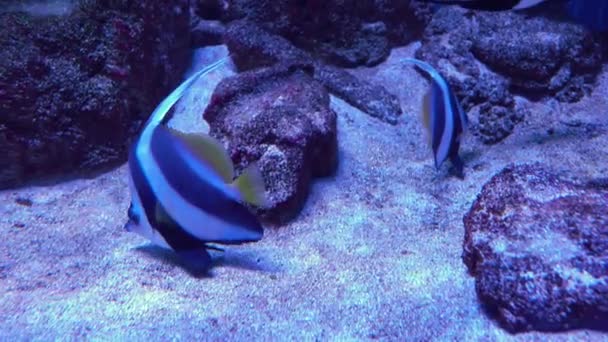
{"x": 280, "y": 118}
{"x": 252, "y": 47}
{"x": 537, "y": 244}
{"x": 490, "y": 57}
{"x": 75, "y": 88}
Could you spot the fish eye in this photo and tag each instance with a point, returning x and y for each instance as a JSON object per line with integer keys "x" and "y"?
{"x": 133, "y": 215}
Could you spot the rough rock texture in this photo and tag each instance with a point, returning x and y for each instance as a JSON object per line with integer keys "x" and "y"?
{"x": 252, "y": 46}
{"x": 538, "y": 247}
{"x": 280, "y": 118}
{"x": 342, "y": 32}
{"x": 74, "y": 89}
{"x": 490, "y": 57}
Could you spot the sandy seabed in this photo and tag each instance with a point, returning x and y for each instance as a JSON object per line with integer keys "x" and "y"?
{"x": 376, "y": 252}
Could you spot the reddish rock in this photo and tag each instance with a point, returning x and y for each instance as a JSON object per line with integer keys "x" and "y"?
{"x": 489, "y": 57}
{"x": 252, "y": 46}
{"x": 74, "y": 89}
{"x": 346, "y": 33}
{"x": 537, "y": 244}
{"x": 280, "y": 118}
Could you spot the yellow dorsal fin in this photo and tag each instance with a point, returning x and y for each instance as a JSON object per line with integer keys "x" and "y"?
{"x": 250, "y": 186}
{"x": 210, "y": 151}
{"x": 426, "y": 112}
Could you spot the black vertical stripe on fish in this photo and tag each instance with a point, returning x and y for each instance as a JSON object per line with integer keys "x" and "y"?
{"x": 458, "y": 117}
{"x": 141, "y": 185}
{"x": 438, "y": 119}
{"x": 176, "y": 238}
{"x": 194, "y": 188}
{"x": 459, "y": 122}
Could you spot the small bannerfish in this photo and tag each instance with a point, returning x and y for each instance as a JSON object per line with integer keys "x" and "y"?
{"x": 443, "y": 117}
{"x": 182, "y": 191}
{"x": 591, "y": 13}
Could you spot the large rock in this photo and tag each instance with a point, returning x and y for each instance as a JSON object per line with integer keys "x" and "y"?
{"x": 280, "y": 118}
{"x": 341, "y": 32}
{"x": 74, "y": 89}
{"x": 490, "y": 57}
{"x": 251, "y": 47}
{"x": 538, "y": 247}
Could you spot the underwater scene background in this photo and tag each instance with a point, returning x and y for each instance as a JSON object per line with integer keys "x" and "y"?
{"x": 426, "y": 171}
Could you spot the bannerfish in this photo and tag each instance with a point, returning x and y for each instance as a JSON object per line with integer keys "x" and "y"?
{"x": 182, "y": 191}
{"x": 591, "y": 13}
{"x": 443, "y": 117}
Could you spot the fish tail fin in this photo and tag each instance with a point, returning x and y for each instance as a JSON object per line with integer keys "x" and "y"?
{"x": 250, "y": 185}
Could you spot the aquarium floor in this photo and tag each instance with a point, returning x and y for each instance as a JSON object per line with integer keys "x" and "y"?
{"x": 376, "y": 252}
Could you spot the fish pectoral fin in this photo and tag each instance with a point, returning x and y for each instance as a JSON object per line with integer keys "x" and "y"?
{"x": 250, "y": 186}
{"x": 208, "y": 150}
{"x": 195, "y": 261}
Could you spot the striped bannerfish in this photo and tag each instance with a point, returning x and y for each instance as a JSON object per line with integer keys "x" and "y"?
{"x": 443, "y": 117}
{"x": 182, "y": 190}
{"x": 591, "y": 13}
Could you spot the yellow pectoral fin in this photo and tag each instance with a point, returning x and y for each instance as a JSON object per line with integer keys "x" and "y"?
{"x": 250, "y": 186}
{"x": 210, "y": 151}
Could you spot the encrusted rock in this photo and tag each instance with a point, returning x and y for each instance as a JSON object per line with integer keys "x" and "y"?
{"x": 537, "y": 244}
{"x": 74, "y": 89}
{"x": 341, "y": 32}
{"x": 280, "y": 118}
{"x": 489, "y": 57}
{"x": 252, "y": 46}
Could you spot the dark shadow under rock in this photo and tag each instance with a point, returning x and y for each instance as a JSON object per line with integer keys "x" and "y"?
{"x": 74, "y": 89}
{"x": 490, "y": 57}
{"x": 252, "y": 47}
{"x": 537, "y": 244}
{"x": 280, "y": 118}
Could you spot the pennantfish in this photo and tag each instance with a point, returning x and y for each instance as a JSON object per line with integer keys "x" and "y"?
{"x": 182, "y": 191}
{"x": 443, "y": 117}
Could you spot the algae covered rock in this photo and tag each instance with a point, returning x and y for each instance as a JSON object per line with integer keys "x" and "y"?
{"x": 278, "y": 117}
{"x": 346, "y": 33}
{"x": 489, "y": 58}
{"x": 251, "y": 46}
{"x": 75, "y": 88}
{"x": 537, "y": 244}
